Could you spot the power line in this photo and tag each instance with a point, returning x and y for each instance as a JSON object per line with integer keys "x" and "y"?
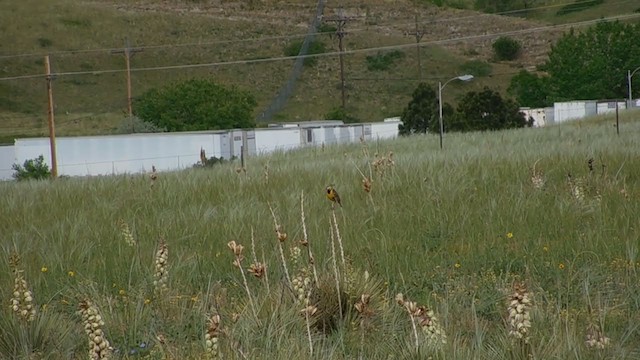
{"x": 334, "y": 53}
{"x": 293, "y": 36}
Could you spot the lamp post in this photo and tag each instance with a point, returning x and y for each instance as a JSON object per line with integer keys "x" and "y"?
{"x": 629, "y": 76}
{"x": 441, "y": 86}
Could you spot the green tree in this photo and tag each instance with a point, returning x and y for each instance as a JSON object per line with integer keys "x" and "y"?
{"x": 486, "y": 110}
{"x": 530, "y": 89}
{"x": 593, "y": 64}
{"x": 196, "y": 104}
{"x": 422, "y": 112}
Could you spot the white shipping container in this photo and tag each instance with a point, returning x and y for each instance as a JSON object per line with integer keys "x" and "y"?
{"x": 572, "y": 110}
{"x": 606, "y": 107}
{"x": 7, "y": 159}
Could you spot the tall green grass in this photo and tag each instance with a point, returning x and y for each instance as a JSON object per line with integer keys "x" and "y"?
{"x": 450, "y": 229}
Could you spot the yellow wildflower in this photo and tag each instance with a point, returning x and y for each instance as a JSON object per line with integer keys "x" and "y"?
{"x": 44, "y": 269}
{"x": 509, "y": 235}
{"x": 561, "y": 266}
{"x": 457, "y": 265}
{"x": 147, "y": 301}
{"x": 71, "y": 273}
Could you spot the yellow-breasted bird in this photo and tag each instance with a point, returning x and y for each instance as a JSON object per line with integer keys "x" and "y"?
{"x": 332, "y": 195}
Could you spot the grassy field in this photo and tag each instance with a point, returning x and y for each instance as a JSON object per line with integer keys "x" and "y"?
{"x": 458, "y": 231}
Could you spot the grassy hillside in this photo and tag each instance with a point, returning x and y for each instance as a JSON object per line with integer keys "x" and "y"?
{"x": 452, "y": 230}
{"x": 234, "y": 38}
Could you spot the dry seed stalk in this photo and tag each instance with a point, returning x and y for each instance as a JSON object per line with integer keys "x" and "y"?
{"x": 237, "y": 262}
{"x": 153, "y": 176}
{"x": 211, "y": 338}
{"x": 337, "y": 230}
{"x": 537, "y": 177}
{"x": 305, "y": 239}
{"x": 519, "y": 305}
{"x": 257, "y": 268}
{"x": 308, "y": 312}
{"x": 99, "y": 347}
{"x": 335, "y": 266}
{"x": 427, "y": 321}
{"x": 366, "y": 312}
{"x": 596, "y": 338}
{"x": 125, "y": 231}
{"x": 282, "y": 237}
{"x": 22, "y": 303}
{"x": 161, "y": 275}
{"x": 301, "y": 282}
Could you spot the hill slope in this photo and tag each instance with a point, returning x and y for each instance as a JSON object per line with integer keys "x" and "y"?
{"x": 236, "y": 39}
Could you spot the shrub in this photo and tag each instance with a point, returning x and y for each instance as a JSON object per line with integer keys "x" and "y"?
{"x": 383, "y": 61}
{"x": 33, "y": 169}
{"x": 506, "y": 48}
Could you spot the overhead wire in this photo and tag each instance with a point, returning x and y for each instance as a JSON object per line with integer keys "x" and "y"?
{"x": 335, "y": 53}
{"x": 301, "y": 35}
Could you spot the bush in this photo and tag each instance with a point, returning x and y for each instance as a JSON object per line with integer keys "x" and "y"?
{"x": 315, "y": 47}
{"x": 33, "y": 169}
{"x": 383, "y": 61}
{"x": 477, "y": 68}
{"x": 506, "y": 48}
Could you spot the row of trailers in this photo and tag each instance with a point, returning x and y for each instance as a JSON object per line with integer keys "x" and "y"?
{"x": 134, "y": 153}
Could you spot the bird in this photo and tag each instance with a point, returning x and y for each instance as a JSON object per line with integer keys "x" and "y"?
{"x": 332, "y": 195}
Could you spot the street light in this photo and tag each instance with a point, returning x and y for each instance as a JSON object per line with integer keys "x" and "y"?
{"x": 441, "y": 86}
{"x": 629, "y": 76}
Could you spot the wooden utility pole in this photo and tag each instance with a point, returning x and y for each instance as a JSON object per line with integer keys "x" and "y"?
{"x": 419, "y": 33}
{"x": 341, "y": 22}
{"x": 52, "y": 126}
{"x": 128, "y": 52}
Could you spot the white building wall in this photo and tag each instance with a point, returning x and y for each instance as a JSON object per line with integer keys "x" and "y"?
{"x": 7, "y": 159}
{"x": 268, "y": 140}
{"x": 571, "y": 110}
{"x": 610, "y": 107}
{"x": 118, "y": 154}
{"x": 384, "y": 130}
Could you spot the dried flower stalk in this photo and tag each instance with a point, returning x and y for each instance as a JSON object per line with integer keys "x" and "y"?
{"x": 161, "y": 275}
{"x": 99, "y": 347}
{"x": 519, "y": 305}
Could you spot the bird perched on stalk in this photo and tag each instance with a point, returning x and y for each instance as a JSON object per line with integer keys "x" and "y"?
{"x": 332, "y": 195}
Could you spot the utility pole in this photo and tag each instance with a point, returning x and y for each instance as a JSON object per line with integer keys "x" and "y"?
{"x": 128, "y": 53}
{"x": 52, "y": 126}
{"x": 341, "y": 22}
{"x": 419, "y": 33}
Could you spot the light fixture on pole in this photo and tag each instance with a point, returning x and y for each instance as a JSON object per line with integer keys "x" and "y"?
{"x": 629, "y": 76}
{"x": 441, "y": 86}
